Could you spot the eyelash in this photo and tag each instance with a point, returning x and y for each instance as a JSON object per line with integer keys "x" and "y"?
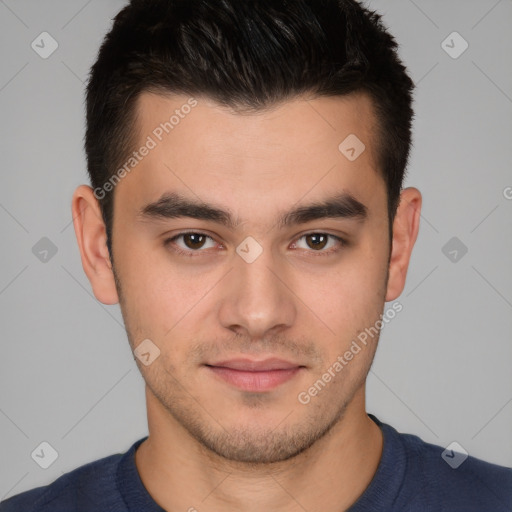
{"x": 190, "y": 253}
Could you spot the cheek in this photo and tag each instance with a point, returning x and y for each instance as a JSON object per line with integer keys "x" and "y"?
{"x": 350, "y": 300}
{"x": 352, "y": 290}
{"x": 146, "y": 286}
{"x": 164, "y": 299}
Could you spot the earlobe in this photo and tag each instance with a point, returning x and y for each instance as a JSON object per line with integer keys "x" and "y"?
{"x": 405, "y": 232}
{"x": 91, "y": 237}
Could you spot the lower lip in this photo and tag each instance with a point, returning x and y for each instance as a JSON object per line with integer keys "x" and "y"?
{"x": 254, "y": 381}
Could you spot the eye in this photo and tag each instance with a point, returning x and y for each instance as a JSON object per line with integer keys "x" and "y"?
{"x": 195, "y": 242}
{"x": 192, "y": 242}
{"x": 319, "y": 241}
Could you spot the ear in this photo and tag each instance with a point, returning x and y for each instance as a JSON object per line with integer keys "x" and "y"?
{"x": 91, "y": 236}
{"x": 405, "y": 231}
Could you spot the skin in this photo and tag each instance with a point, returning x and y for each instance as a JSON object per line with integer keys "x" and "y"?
{"x": 212, "y": 446}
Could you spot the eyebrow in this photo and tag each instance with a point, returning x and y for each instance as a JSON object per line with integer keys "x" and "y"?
{"x": 174, "y": 205}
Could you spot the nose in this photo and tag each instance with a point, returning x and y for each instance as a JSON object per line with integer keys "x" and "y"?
{"x": 258, "y": 298}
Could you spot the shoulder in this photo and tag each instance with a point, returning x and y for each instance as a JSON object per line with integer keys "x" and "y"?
{"x": 89, "y": 487}
{"x": 455, "y": 480}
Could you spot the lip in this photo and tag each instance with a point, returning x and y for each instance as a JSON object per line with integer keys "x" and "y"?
{"x": 255, "y": 376}
{"x": 251, "y": 365}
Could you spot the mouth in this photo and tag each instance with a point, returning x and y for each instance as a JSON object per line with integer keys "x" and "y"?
{"x": 255, "y": 376}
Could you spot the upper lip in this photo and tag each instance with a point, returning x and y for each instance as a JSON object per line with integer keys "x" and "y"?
{"x": 256, "y": 366}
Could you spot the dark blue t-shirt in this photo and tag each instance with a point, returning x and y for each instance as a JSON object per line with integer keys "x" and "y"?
{"x": 412, "y": 476}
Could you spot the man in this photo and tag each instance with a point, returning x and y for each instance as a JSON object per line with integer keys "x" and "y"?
{"x": 247, "y": 213}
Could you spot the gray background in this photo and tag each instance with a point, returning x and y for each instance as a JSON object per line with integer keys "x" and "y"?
{"x": 443, "y": 368}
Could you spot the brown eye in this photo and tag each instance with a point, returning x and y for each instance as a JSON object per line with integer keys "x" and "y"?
{"x": 316, "y": 240}
{"x": 316, "y": 243}
{"x": 194, "y": 240}
{"x": 189, "y": 243}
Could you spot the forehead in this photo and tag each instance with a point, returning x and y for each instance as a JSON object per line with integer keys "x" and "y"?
{"x": 275, "y": 156}
{"x": 299, "y": 125}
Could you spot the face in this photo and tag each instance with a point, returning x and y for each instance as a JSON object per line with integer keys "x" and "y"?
{"x": 241, "y": 279}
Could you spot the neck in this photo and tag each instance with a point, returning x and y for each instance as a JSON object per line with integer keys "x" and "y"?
{"x": 181, "y": 474}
